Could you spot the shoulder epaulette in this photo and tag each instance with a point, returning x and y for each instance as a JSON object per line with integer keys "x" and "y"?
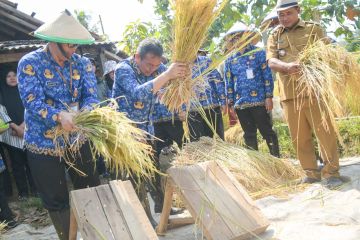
{"x": 277, "y": 29}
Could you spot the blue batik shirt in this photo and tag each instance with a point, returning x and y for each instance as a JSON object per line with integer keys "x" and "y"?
{"x": 162, "y": 114}
{"x": 248, "y": 78}
{"x": 212, "y": 94}
{"x": 45, "y": 93}
{"x": 135, "y": 94}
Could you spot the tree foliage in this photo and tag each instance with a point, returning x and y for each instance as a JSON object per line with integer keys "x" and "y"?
{"x": 340, "y": 17}
{"x": 86, "y": 20}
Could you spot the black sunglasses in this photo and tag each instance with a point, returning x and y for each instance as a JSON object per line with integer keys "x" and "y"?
{"x": 73, "y": 45}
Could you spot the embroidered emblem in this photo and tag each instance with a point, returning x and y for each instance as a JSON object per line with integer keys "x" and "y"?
{"x": 76, "y": 75}
{"x": 139, "y": 105}
{"x": 48, "y": 74}
{"x": 29, "y": 70}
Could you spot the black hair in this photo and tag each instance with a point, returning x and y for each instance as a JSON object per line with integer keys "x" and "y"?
{"x": 150, "y": 45}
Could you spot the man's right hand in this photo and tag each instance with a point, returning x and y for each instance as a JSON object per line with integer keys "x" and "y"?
{"x": 66, "y": 121}
{"x": 178, "y": 70}
{"x": 292, "y": 67}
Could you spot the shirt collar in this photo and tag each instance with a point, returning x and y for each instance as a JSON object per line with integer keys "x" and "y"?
{"x": 51, "y": 59}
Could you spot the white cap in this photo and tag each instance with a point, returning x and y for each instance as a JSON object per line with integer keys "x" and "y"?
{"x": 109, "y": 66}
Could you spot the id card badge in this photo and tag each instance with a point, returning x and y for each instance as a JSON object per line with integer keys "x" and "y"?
{"x": 75, "y": 107}
{"x": 249, "y": 73}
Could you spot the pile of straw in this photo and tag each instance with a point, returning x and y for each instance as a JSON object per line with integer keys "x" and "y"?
{"x": 113, "y": 136}
{"x": 330, "y": 75}
{"x": 256, "y": 171}
{"x": 192, "y": 21}
{"x": 234, "y": 135}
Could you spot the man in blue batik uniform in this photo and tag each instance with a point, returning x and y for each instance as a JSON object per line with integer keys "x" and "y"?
{"x": 167, "y": 127}
{"x": 250, "y": 91}
{"x": 211, "y": 98}
{"x": 50, "y": 79}
{"x": 137, "y": 82}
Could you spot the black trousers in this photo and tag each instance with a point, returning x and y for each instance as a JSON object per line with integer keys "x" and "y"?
{"x": 198, "y": 126}
{"x": 254, "y": 118}
{"x": 21, "y": 171}
{"x": 49, "y": 177}
{"x": 5, "y": 212}
{"x": 168, "y": 132}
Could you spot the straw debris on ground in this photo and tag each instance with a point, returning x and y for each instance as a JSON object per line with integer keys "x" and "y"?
{"x": 254, "y": 170}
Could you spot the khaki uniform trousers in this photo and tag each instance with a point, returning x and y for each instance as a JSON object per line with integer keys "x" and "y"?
{"x": 304, "y": 117}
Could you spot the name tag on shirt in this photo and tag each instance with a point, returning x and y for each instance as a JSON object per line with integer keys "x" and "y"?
{"x": 75, "y": 107}
{"x": 249, "y": 73}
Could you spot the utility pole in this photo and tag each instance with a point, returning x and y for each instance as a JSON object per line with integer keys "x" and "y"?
{"x": 102, "y": 27}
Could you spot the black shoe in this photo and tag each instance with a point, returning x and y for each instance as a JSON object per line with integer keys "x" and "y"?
{"x": 173, "y": 211}
{"x": 309, "y": 180}
{"x": 11, "y": 224}
{"x": 333, "y": 182}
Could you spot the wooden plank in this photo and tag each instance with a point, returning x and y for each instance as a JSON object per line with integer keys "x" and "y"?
{"x": 11, "y": 4}
{"x": 134, "y": 214}
{"x": 247, "y": 218}
{"x": 163, "y": 223}
{"x": 7, "y": 31}
{"x": 31, "y": 26}
{"x": 179, "y": 222}
{"x": 21, "y": 15}
{"x": 112, "y": 56}
{"x": 225, "y": 206}
{"x": 113, "y": 213}
{"x": 14, "y": 26}
{"x": 199, "y": 206}
{"x": 11, "y": 57}
{"x": 89, "y": 214}
{"x": 73, "y": 226}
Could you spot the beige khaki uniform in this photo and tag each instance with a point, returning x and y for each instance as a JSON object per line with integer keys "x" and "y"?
{"x": 303, "y": 116}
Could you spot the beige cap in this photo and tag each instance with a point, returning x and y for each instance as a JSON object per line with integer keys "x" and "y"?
{"x": 285, "y": 4}
{"x": 64, "y": 29}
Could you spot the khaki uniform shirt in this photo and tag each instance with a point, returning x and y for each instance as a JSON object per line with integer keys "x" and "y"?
{"x": 286, "y": 45}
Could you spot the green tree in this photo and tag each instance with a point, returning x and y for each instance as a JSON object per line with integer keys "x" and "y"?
{"x": 254, "y": 11}
{"x": 85, "y": 19}
{"x": 134, "y": 33}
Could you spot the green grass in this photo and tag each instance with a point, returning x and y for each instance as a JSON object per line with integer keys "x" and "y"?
{"x": 349, "y": 131}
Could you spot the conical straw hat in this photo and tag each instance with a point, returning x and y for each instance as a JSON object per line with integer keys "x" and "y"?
{"x": 64, "y": 29}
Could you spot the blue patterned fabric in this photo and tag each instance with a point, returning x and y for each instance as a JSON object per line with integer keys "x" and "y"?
{"x": 135, "y": 92}
{"x": 2, "y": 165}
{"x": 162, "y": 114}
{"x": 244, "y": 90}
{"x": 214, "y": 94}
{"x": 44, "y": 94}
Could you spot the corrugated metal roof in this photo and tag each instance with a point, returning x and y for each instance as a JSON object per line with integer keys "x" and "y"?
{"x": 35, "y": 44}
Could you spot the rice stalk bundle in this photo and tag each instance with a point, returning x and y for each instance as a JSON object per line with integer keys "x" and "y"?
{"x": 192, "y": 21}
{"x": 254, "y": 170}
{"x": 330, "y": 75}
{"x": 113, "y": 136}
{"x": 234, "y": 135}
{"x": 2, "y": 227}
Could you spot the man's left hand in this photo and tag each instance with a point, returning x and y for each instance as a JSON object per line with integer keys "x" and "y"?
{"x": 269, "y": 104}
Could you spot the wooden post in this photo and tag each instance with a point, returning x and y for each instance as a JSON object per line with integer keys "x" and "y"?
{"x": 164, "y": 218}
{"x": 73, "y": 226}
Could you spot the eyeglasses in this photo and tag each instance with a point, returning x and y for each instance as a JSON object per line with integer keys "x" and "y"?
{"x": 72, "y": 45}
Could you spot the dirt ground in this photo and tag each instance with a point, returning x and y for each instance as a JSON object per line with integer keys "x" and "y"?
{"x": 314, "y": 214}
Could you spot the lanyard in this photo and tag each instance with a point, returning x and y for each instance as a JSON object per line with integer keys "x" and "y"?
{"x": 73, "y": 95}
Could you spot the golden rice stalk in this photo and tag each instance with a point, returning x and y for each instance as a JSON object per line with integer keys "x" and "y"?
{"x": 331, "y": 76}
{"x": 192, "y": 21}
{"x": 254, "y": 170}
{"x": 2, "y": 227}
{"x": 111, "y": 135}
{"x": 234, "y": 135}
